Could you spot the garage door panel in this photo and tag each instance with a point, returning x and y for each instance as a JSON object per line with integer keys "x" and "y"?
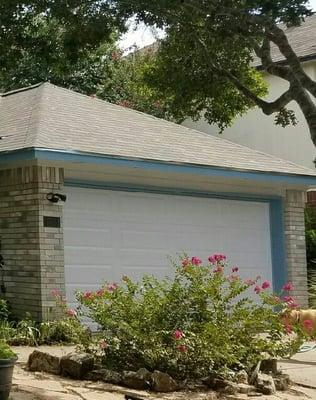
{"x": 109, "y": 234}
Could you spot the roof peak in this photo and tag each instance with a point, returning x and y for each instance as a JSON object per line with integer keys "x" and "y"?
{"x": 24, "y": 89}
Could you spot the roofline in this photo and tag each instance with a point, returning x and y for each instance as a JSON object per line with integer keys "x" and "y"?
{"x": 308, "y": 57}
{"x": 78, "y": 157}
{"x": 24, "y": 89}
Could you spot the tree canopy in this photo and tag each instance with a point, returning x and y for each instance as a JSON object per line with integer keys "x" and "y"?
{"x": 204, "y": 63}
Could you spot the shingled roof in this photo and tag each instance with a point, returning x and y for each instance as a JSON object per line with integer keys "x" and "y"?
{"x": 50, "y": 117}
{"x": 302, "y": 38}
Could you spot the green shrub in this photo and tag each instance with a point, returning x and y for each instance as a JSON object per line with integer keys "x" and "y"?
{"x": 4, "y": 310}
{"x": 5, "y": 351}
{"x": 202, "y": 320}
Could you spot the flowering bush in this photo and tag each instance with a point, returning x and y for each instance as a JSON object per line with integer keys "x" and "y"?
{"x": 202, "y": 320}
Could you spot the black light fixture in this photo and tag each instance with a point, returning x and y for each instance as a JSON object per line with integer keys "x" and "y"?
{"x": 56, "y": 197}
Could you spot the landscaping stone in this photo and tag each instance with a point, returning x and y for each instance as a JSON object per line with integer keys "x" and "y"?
{"x": 162, "y": 382}
{"x": 244, "y": 388}
{"x": 137, "y": 380}
{"x": 265, "y": 384}
{"x": 75, "y": 365}
{"x": 241, "y": 376}
{"x": 104, "y": 375}
{"x": 282, "y": 382}
{"x": 230, "y": 388}
{"x": 269, "y": 365}
{"x": 43, "y": 362}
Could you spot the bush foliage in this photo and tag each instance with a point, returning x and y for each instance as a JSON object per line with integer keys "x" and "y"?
{"x": 201, "y": 320}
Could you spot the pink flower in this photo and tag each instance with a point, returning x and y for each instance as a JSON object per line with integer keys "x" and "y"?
{"x": 288, "y": 299}
{"x": 182, "y": 348}
{"x": 215, "y": 258}
{"x": 88, "y": 295}
{"x": 177, "y": 334}
{"x": 257, "y": 289}
{"x": 112, "y": 286}
{"x": 249, "y": 282}
{"x": 308, "y": 324}
{"x": 266, "y": 285}
{"x": 233, "y": 278}
{"x": 218, "y": 269}
{"x": 196, "y": 261}
{"x": 235, "y": 269}
{"x": 55, "y": 293}
{"x": 185, "y": 262}
{"x": 288, "y": 287}
{"x": 292, "y": 304}
{"x": 72, "y": 313}
{"x": 100, "y": 292}
{"x": 103, "y": 344}
{"x": 288, "y": 328}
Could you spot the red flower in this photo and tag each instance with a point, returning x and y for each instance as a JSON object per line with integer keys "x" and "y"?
{"x": 266, "y": 285}
{"x": 182, "y": 348}
{"x": 112, "y": 286}
{"x": 88, "y": 295}
{"x": 215, "y": 258}
{"x": 257, "y": 289}
{"x": 185, "y": 262}
{"x": 308, "y": 324}
{"x": 72, "y": 313}
{"x": 288, "y": 287}
{"x": 288, "y": 299}
{"x": 288, "y": 328}
{"x": 99, "y": 292}
{"x": 235, "y": 269}
{"x": 177, "y": 334}
{"x": 196, "y": 261}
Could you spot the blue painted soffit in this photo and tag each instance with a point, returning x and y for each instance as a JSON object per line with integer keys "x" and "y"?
{"x": 154, "y": 165}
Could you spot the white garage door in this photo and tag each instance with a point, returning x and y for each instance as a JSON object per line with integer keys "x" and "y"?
{"x": 109, "y": 234}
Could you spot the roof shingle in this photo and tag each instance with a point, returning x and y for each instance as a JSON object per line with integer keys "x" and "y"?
{"x": 50, "y": 117}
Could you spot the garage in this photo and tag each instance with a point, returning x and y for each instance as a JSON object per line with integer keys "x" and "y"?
{"x": 108, "y": 234}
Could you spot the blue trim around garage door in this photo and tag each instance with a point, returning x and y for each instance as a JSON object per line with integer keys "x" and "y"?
{"x": 278, "y": 256}
{"x": 76, "y": 157}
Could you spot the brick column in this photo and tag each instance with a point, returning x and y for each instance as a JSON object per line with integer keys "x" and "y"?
{"x": 33, "y": 254}
{"x": 295, "y": 243}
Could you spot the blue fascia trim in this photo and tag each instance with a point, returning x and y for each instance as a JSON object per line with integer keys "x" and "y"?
{"x": 153, "y": 165}
{"x": 278, "y": 257}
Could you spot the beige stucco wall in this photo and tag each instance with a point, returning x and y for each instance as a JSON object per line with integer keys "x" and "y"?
{"x": 259, "y": 132}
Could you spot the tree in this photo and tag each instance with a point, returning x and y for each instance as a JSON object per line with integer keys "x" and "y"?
{"x": 203, "y": 65}
{"x": 61, "y": 41}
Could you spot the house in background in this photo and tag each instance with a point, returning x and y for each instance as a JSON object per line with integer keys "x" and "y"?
{"x": 139, "y": 189}
{"x": 257, "y": 130}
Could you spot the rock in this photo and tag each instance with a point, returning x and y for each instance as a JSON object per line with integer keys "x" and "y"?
{"x": 215, "y": 382}
{"x": 244, "y": 388}
{"x": 76, "y": 365}
{"x": 241, "y": 376}
{"x": 43, "y": 362}
{"x": 104, "y": 375}
{"x": 230, "y": 388}
{"x": 162, "y": 382}
{"x": 265, "y": 384}
{"x": 269, "y": 365}
{"x": 137, "y": 380}
{"x": 282, "y": 382}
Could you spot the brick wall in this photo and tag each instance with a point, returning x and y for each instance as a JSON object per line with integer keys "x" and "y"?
{"x": 33, "y": 254}
{"x": 295, "y": 243}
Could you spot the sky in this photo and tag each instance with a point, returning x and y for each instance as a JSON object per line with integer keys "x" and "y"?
{"x": 143, "y": 36}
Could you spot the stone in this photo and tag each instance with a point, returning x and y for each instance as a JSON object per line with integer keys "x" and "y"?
{"x": 162, "y": 382}
{"x": 282, "y": 382}
{"x": 43, "y": 362}
{"x": 104, "y": 375}
{"x": 137, "y": 380}
{"x": 244, "y": 388}
{"x": 269, "y": 365}
{"x": 241, "y": 376}
{"x": 76, "y": 365}
{"x": 230, "y": 388}
{"x": 215, "y": 382}
{"x": 265, "y": 384}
